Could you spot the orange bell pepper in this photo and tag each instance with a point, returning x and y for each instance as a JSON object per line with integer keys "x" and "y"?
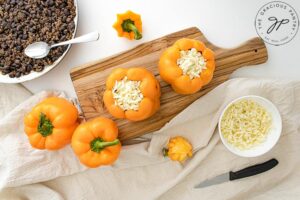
{"x": 51, "y": 123}
{"x": 173, "y": 74}
{"x": 149, "y": 87}
{"x": 129, "y": 25}
{"x": 95, "y": 142}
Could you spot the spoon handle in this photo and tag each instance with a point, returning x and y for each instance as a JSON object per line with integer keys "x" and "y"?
{"x": 85, "y": 38}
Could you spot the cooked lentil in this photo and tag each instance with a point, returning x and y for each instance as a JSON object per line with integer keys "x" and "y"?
{"x": 23, "y": 22}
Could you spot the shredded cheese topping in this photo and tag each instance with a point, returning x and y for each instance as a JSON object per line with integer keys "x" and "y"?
{"x": 245, "y": 124}
{"x": 191, "y": 62}
{"x": 127, "y": 94}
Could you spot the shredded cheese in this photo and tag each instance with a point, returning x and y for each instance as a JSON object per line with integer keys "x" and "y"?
{"x": 245, "y": 124}
{"x": 191, "y": 62}
{"x": 127, "y": 94}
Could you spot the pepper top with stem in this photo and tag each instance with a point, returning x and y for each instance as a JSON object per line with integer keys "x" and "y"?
{"x": 129, "y": 25}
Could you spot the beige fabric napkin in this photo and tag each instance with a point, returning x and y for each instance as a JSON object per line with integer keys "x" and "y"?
{"x": 21, "y": 164}
{"x": 142, "y": 172}
{"x": 10, "y": 96}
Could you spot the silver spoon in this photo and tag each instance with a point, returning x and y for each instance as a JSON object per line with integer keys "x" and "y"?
{"x": 41, "y": 49}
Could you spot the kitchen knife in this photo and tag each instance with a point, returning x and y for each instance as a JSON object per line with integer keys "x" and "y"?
{"x": 249, "y": 171}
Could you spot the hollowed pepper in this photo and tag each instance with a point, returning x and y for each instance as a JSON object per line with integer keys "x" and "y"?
{"x": 172, "y": 74}
{"x": 149, "y": 87}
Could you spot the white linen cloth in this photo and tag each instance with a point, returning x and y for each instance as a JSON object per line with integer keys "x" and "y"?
{"x": 141, "y": 171}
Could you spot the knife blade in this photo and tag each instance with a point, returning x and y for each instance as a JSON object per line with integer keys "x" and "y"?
{"x": 243, "y": 173}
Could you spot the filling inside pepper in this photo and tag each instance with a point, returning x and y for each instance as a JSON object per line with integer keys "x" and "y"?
{"x": 191, "y": 62}
{"x": 127, "y": 94}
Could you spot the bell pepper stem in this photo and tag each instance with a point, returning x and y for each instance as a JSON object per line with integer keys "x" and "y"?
{"x": 137, "y": 34}
{"x": 98, "y": 144}
{"x": 165, "y": 152}
{"x": 128, "y": 26}
{"x": 45, "y": 127}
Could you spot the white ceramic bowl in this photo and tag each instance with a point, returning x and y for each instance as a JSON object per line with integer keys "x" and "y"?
{"x": 271, "y": 138}
{"x": 32, "y": 75}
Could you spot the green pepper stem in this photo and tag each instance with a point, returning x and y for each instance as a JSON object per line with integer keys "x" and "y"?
{"x": 137, "y": 34}
{"x": 128, "y": 26}
{"x": 165, "y": 152}
{"x": 45, "y": 126}
{"x": 98, "y": 144}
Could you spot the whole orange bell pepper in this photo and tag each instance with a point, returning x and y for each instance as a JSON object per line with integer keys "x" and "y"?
{"x": 173, "y": 74}
{"x": 149, "y": 87}
{"x": 51, "y": 123}
{"x": 95, "y": 142}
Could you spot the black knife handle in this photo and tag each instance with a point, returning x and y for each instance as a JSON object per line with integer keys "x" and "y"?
{"x": 253, "y": 170}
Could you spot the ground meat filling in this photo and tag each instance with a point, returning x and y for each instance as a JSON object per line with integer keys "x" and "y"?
{"x": 23, "y": 22}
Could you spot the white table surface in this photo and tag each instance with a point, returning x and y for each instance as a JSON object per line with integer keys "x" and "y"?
{"x": 225, "y": 23}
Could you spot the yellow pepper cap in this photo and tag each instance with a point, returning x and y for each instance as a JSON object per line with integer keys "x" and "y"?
{"x": 179, "y": 149}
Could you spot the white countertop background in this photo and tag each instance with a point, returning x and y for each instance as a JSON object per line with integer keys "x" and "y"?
{"x": 226, "y": 23}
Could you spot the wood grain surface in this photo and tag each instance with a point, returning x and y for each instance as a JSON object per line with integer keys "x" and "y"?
{"x": 89, "y": 79}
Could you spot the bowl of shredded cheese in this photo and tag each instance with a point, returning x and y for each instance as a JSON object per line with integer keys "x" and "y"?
{"x": 250, "y": 126}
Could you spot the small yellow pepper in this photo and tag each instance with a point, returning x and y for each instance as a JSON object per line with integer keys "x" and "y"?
{"x": 129, "y": 25}
{"x": 179, "y": 149}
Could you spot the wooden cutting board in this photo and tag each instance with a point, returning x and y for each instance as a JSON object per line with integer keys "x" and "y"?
{"x": 89, "y": 79}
